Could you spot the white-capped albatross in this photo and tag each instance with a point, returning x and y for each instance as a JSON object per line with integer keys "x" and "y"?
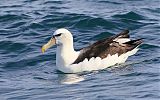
{"x": 100, "y": 55}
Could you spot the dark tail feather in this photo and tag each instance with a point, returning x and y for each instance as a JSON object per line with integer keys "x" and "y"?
{"x": 123, "y": 34}
{"x": 134, "y": 43}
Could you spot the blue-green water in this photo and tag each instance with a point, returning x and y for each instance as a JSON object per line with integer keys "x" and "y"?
{"x": 27, "y": 74}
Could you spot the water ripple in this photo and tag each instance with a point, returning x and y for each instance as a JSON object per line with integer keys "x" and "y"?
{"x": 130, "y": 15}
{"x": 26, "y": 73}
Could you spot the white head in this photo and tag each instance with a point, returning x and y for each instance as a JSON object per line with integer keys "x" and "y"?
{"x": 60, "y": 37}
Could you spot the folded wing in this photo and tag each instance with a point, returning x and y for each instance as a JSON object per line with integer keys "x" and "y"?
{"x": 119, "y": 44}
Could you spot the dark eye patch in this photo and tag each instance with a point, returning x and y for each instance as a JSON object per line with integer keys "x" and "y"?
{"x": 58, "y": 35}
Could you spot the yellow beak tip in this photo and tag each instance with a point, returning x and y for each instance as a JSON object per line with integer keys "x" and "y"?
{"x": 50, "y": 43}
{"x": 42, "y": 50}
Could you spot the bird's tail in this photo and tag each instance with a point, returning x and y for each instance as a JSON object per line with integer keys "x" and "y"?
{"x": 134, "y": 43}
{"x": 123, "y": 34}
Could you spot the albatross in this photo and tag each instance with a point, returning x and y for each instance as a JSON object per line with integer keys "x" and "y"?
{"x": 97, "y": 56}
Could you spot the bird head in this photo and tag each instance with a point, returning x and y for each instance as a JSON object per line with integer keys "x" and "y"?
{"x": 60, "y": 37}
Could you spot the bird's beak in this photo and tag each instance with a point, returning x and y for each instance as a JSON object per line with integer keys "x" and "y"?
{"x": 50, "y": 43}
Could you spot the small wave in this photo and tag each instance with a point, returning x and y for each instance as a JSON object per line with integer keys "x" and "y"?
{"x": 76, "y": 21}
{"x": 90, "y": 22}
{"x": 54, "y": 2}
{"x": 136, "y": 74}
{"x": 110, "y": 2}
{"x": 9, "y": 46}
{"x": 130, "y": 15}
{"x": 12, "y": 17}
{"x": 149, "y": 46}
{"x": 27, "y": 61}
{"x": 150, "y": 95}
{"x": 156, "y": 10}
{"x": 39, "y": 78}
{"x": 35, "y": 26}
{"x": 16, "y": 24}
{"x": 11, "y": 6}
{"x": 28, "y": 1}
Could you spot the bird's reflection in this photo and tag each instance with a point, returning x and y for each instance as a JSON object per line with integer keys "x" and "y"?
{"x": 70, "y": 78}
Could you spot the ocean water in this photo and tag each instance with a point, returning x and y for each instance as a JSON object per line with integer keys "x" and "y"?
{"x": 27, "y": 74}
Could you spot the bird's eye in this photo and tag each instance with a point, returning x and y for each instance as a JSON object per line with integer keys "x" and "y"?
{"x": 58, "y": 35}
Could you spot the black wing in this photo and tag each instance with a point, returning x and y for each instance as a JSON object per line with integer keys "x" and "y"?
{"x": 107, "y": 46}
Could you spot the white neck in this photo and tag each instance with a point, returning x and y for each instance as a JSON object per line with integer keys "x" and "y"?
{"x": 66, "y": 54}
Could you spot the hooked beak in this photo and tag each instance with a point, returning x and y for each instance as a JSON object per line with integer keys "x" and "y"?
{"x": 50, "y": 43}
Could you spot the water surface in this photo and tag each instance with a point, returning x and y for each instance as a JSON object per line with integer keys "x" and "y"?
{"x": 27, "y": 74}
